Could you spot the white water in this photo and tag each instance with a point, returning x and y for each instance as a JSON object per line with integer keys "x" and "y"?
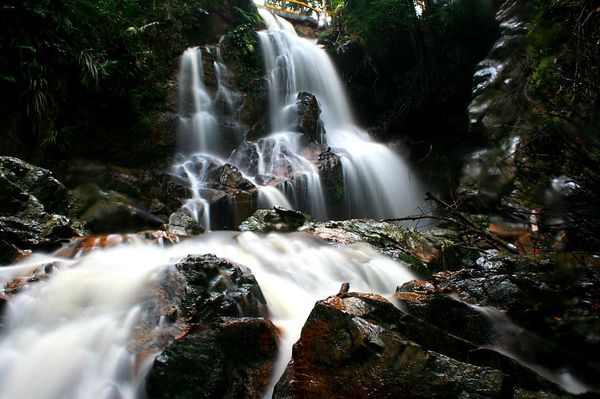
{"x": 67, "y": 337}
{"x": 196, "y": 111}
{"x": 378, "y": 182}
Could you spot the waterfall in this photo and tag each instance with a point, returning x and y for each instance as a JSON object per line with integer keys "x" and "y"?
{"x": 283, "y": 167}
{"x": 378, "y": 183}
{"x": 198, "y": 122}
{"x": 68, "y": 334}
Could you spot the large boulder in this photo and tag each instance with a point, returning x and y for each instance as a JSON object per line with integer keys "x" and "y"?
{"x": 356, "y": 345}
{"x": 150, "y": 188}
{"x": 224, "y": 346}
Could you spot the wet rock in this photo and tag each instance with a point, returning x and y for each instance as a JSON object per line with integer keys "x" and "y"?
{"x": 425, "y": 252}
{"x": 309, "y": 123}
{"x": 276, "y": 219}
{"x": 225, "y": 347}
{"x": 10, "y": 252}
{"x": 24, "y": 233}
{"x": 231, "y": 358}
{"x": 31, "y": 203}
{"x": 216, "y": 287}
{"x": 182, "y": 224}
{"x": 247, "y": 157}
{"x": 227, "y": 175}
{"x": 144, "y": 186}
{"x": 62, "y": 227}
{"x": 3, "y": 305}
{"x": 420, "y": 299}
{"x": 19, "y": 176}
{"x": 111, "y": 211}
{"x": 356, "y": 346}
{"x": 332, "y": 178}
{"x": 511, "y": 303}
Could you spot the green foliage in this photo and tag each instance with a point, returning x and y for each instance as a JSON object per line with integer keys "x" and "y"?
{"x": 417, "y": 70}
{"x": 562, "y": 118}
{"x": 240, "y": 50}
{"x": 79, "y": 71}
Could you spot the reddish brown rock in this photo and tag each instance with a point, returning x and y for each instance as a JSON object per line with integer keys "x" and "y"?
{"x": 356, "y": 347}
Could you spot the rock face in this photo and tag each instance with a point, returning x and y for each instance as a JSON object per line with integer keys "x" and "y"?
{"x": 33, "y": 205}
{"x": 309, "y": 123}
{"x": 227, "y": 347}
{"x": 241, "y": 195}
{"x": 355, "y": 346}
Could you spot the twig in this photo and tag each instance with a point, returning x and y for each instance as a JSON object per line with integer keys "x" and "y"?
{"x": 495, "y": 241}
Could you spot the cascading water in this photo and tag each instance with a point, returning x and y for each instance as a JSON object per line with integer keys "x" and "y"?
{"x": 284, "y": 165}
{"x": 377, "y": 181}
{"x": 198, "y": 122}
{"x": 68, "y": 336}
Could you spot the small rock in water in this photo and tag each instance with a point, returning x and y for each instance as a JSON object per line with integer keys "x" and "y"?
{"x": 276, "y": 219}
{"x": 182, "y": 224}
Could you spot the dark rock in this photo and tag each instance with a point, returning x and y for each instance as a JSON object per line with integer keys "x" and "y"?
{"x": 445, "y": 312}
{"x": 246, "y": 203}
{"x": 510, "y": 303}
{"x": 29, "y": 199}
{"x": 34, "y": 181}
{"x": 228, "y": 176}
{"x": 309, "y": 123}
{"x": 247, "y": 157}
{"x": 225, "y": 348}
{"x": 332, "y": 178}
{"x": 62, "y": 227}
{"x": 230, "y": 358}
{"x": 216, "y": 287}
{"x": 355, "y": 347}
{"x": 144, "y": 186}
{"x": 276, "y": 219}
{"x": 111, "y": 211}
{"x": 24, "y": 233}
{"x": 3, "y": 304}
{"x": 8, "y": 252}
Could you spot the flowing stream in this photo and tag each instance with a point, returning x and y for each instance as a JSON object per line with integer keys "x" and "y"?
{"x": 68, "y": 336}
